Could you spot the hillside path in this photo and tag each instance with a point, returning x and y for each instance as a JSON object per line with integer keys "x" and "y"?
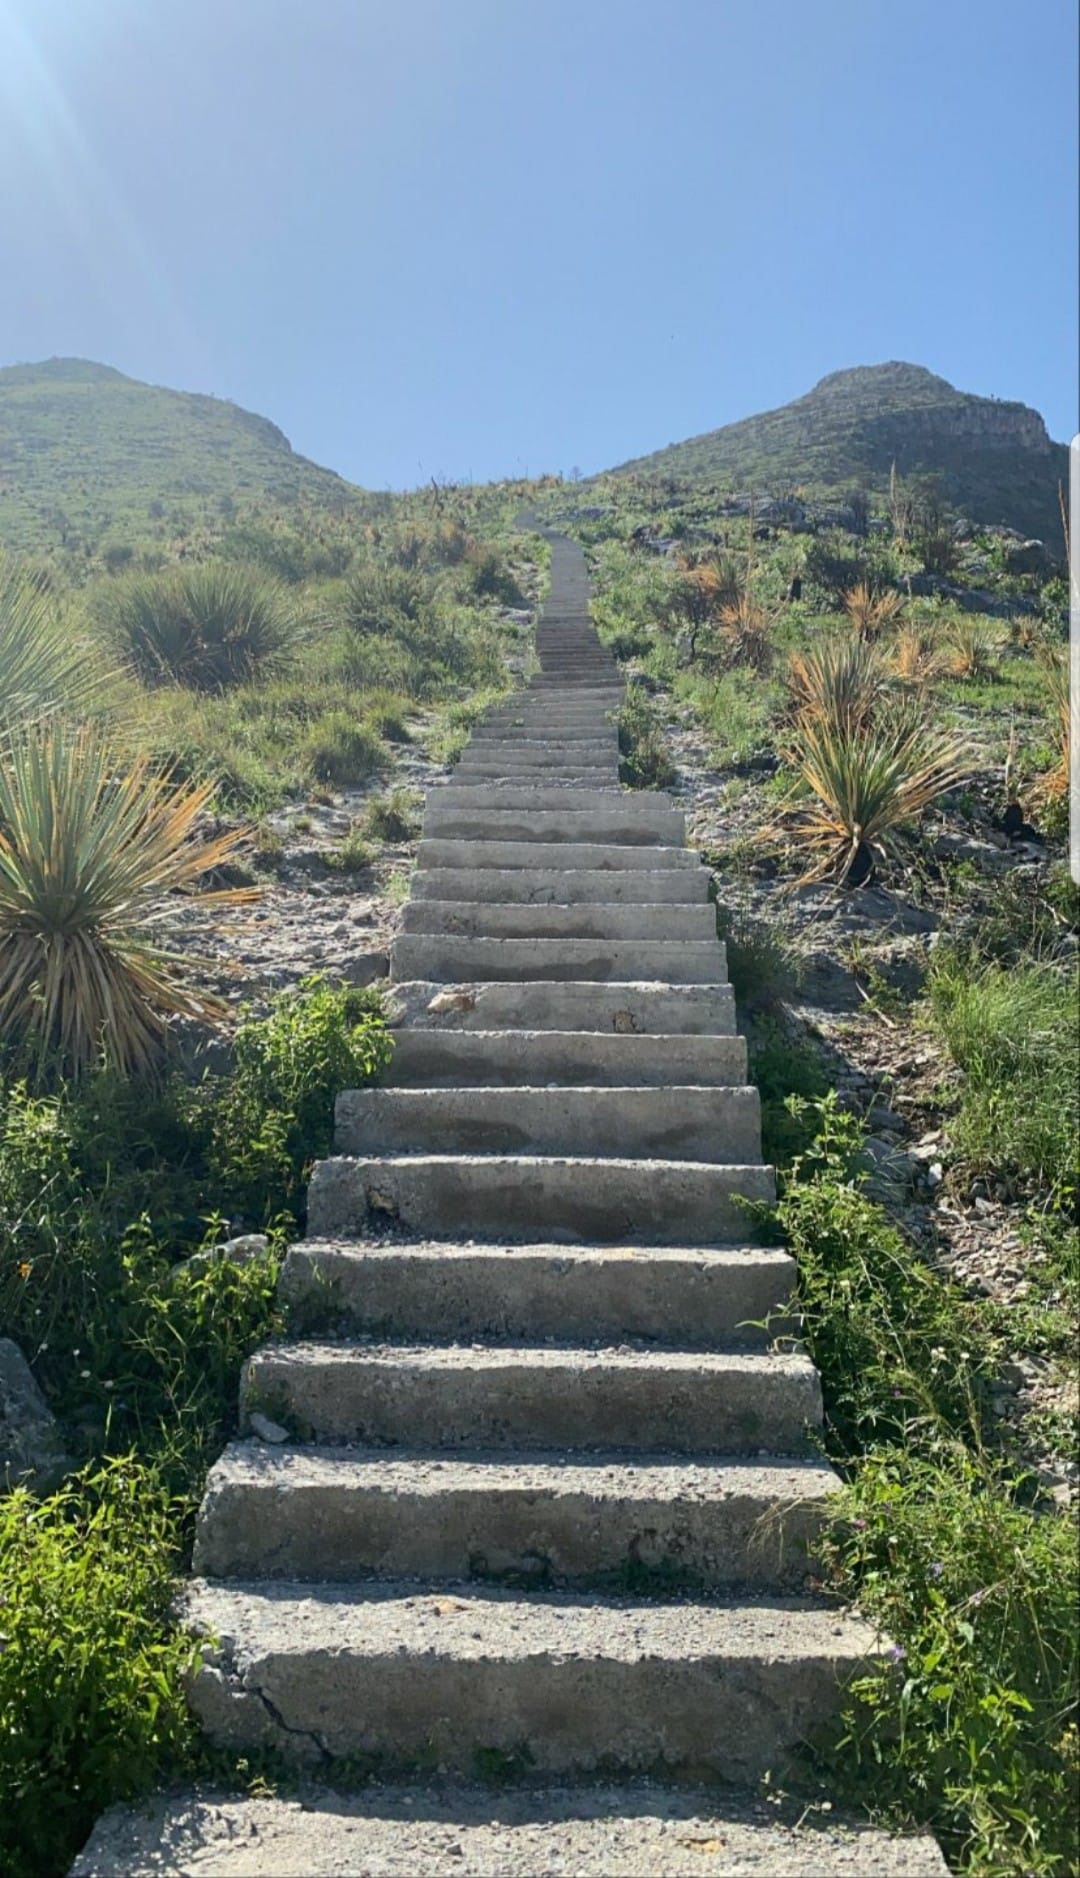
{"x": 543, "y": 1514}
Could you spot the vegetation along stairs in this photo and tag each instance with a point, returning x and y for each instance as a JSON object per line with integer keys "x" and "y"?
{"x": 546, "y": 1502}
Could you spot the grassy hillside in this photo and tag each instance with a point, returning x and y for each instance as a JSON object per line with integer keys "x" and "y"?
{"x": 993, "y": 461}
{"x": 90, "y": 459}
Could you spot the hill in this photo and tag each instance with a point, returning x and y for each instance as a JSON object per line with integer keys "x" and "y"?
{"x": 994, "y": 461}
{"x": 89, "y": 456}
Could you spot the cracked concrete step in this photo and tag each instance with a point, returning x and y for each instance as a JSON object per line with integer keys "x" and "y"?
{"x": 621, "y": 1007}
{"x": 443, "y": 958}
{"x": 349, "y": 1514}
{"x": 687, "y": 1123}
{"x": 511, "y": 1059}
{"x": 569, "y": 855}
{"x": 522, "y": 1198}
{"x": 683, "y": 1296}
{"x": 567, "y": 1685}
{"x": 489, "y": 919}
{"x": 537, "y": 1396}
{"x": 535, "y": 886}
{"x": 623, "y": 821}
{"x": 486, "y": 1832}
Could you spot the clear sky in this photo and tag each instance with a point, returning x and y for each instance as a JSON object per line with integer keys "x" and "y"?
{"x": 484, "y": 237}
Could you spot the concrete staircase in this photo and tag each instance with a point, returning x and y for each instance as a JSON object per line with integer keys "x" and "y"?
{"x": 546, "y": 1508}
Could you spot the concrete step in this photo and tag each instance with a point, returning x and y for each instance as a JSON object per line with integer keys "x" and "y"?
{"x": 484, "y": 1832}
{"x": 601, "y": 773}
{"x": 543, "y": 1519}
{"x": 556, "y": 855}
{"x": 680, "y": 1124}
{"x": 514, "y": 919}
{"x": 523, "y": 1198}
{"x": 513, "y": 1059}
{"x": 460, "y": 1677}
{"x": 622, "y": 1008}
{"x": 679, "y": 1295}
{"x": 631, "y": 822}
{"x": 441, "y": 956}
{"x": 537, "y": 1396}
{"x": 545, "y": 792}
{"x": 530, "y": 738}
{"x": 576, "y": 887}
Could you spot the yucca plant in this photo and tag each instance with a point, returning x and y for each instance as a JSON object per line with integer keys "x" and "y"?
{"x": 42, "y": 663}
{"x": 870, "y": 613}
{"x": 857, "y": 784}
{"x": 747, "y": 634}
{"x": 1064, "y": 714}
{"x": 207, "y": 627}
{"x": 916, "y": 657}
{"x": 973, "y": 650}
{"x": 838, "y": 681}
{"x": 92, "y": 855}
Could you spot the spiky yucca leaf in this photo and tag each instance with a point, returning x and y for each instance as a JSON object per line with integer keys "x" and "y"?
{"x": 869, "y": 612}
{"x": 90, "y": 853}
{"x": 973, "y": 650}
{"x": 858, "y": 783}
{"x": 916, "y": 657}
{"x": 837, "y": 681}
{"x": 42, "y": 663}
{"x": 1064, "y": 715}
{"x": 747, "y": 631}
{"x": 209, "y": 626}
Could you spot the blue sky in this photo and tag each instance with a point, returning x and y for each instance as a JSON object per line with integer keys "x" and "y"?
{"x": 484, "y": 237}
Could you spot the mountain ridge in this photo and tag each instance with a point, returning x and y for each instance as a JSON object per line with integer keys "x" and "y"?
{"x": 992, "y": 458}
{"x": 89, "y": 454}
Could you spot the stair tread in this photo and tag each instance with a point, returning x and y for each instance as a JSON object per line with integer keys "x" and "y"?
{"x": 603, "y": 1359}
{"x": 380, "y": 1618}
{"x": 442, "y": 1830}
{"x": 595, "y": 1474}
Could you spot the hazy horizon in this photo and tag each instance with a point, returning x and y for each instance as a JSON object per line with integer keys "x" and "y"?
{"x": 475, "y": 241}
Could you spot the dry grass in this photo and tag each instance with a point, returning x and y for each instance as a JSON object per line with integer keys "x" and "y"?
{"x": 870, "y": 613}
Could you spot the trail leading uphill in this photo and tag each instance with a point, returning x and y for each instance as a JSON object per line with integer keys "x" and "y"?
{"x": 546, "y": 1510}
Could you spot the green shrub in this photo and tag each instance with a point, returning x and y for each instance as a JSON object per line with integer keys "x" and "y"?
{"x": 101, "y": 1188}
{"x": 340, "y": 748}
{"x": 209, "y": 626}
{"x": 393, "y": 817}
{"x": 92, "y": 1708}
{"x": 1012, "y": 1031}
{"x": 968, "y": 1725}
{"x": 645, "y": 762}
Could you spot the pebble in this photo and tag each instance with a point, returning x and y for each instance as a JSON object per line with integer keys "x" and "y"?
{"x": 267, "y": 1430}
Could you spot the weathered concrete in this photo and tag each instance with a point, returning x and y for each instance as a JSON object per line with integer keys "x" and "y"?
{"x": 622, "y": 1007}
{"x": 547, "y": 1519}
{"x": 540, "y": 887}
{"x": 552, "y": 854}
{"x": 614, "y": 823}
{"x": 434, "y": 1059}
{"x": 525, "y": 1197}
{"x": 322, "y": 1671}
{"x": 675, "y": 1124}
{"x": 489, "y": 919}
{"x": 485, "y": 1832}
{"x": 684, "y": 1297}
{"x": 522, "y": 1397}
{"x": 449, "y": 959}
